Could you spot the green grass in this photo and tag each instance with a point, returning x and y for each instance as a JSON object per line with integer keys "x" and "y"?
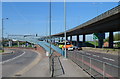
{"x": 93, "y": 42}
{"x": 0, "y": 51}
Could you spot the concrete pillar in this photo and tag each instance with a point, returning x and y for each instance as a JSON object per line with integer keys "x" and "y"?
{"x": 66, "y": 38}
{"x": 111, "y": 39}
{"x": 70, "y": 38}
{"x": 53, "y": 40}
{"x": 58, "y": 39}
{"x": 10, "y": 43}
{"x": 62, "y": 39}
{"x": 18, "y": 44}
{"x": 78, "y": 40}
{"x": 100, "y": 43}
{"x": 84, "y": 40}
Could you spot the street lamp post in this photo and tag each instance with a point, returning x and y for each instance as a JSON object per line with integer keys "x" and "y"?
{"x": 50, "y": 25}
{"x": 65, "y": 26}
{"x": 2, "y": 32}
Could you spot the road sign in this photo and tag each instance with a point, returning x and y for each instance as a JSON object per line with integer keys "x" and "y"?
{"x": 98, "y": 35}
{"x": 95, "y": 35}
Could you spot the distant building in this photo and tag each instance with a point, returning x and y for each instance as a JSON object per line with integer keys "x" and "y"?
{"x": 106, "y": 44}
{"x": 115, "y": 44}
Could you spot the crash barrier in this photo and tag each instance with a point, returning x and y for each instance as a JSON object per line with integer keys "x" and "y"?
{"x": 47, "y": 48}
{"x": 96, "y": 68}
{"x": 57, "y": 49}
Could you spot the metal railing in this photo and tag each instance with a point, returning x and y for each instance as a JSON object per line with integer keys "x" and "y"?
{"x": 95, "y": 67}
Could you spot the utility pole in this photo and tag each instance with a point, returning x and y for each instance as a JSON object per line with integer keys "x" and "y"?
{"x": 2, "y": 32}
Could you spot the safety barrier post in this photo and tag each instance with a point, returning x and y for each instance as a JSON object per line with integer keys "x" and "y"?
{"x": 90, "y": 66}
{"x": 82, "y": 61}
{"x": 104, "y": 69}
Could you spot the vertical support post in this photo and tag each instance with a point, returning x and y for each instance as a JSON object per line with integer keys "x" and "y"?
{"x": 100, "y": 43}
{"x": 111, "y": 39}
{"x": 2, "y": 37}
{"x": 10, "y": 43}
{"x": 18, "y": 44}
{"x": 78, "y": 40}
{"x": 104, "y": 70}
{"x": 66, "y": 38}
{"x": 58, "y": 39}
{"x": 65, "y": 27}
{"x": 62, "y": 39}
{"x": 82, "y": 61}
{"x": 70, "y": 38}
{"x": 90, "y": 66}
{"x": 50, "y": 25}
{"x": 84, "y": 40}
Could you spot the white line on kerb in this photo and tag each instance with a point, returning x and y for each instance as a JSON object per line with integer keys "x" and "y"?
{"x": 12, "y": 58}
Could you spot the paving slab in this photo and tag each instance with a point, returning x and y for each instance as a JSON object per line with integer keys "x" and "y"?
{"x": 71, "y": 69}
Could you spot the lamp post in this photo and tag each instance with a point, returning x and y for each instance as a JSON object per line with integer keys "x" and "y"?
{"x": 65, "y": 27}
{"x": 2, "y": 32}
{"x": 50, "y": 25}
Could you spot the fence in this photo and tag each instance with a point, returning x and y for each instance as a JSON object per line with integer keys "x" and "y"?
{"x": 94, "y": 67}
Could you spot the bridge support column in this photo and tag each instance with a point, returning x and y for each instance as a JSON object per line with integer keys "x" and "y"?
{"x": 70, "y": 38}
{"x": 66, "y": 38}
{"x": 18, "y": 44}
{"x": 53, "y": 40}
{"x": 10, "y": 43}
{"x": 100, "y": 43}
{"x": 62, "y": 39}
{"x": 111, "y": 39}
{"x": 58, "y": 39}
{"x": 78, "y": 40}
{"x": 84, "y": 40}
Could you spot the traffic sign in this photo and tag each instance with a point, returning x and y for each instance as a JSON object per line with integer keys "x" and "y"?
{"x": 98, "y": 35}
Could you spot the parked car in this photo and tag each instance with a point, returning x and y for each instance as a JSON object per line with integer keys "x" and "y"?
{"x": 71, "y": 48}
{"x": 79, "y": 48}
{"x": 68, "y": 45}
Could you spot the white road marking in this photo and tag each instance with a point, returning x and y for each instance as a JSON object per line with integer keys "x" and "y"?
{"x": 111, "y": 59}
{"x": 105, "y": 58}
{"x": 96, "y": 56}
{"x": 88, "y": 53}
{"x": 12, "y": 58}
{"x": 108, "y": 59}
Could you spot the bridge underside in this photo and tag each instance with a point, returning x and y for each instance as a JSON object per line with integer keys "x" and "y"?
{"x": 110, "y": 24}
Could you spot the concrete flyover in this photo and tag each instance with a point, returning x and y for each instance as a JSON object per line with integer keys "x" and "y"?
{"x": 106, "y": 22}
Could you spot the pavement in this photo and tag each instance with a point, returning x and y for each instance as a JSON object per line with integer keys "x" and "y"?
{"x": 42, "y": 69}
{"x": 71, "y": 69}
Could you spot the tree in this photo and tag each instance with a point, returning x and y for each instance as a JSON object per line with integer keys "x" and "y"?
{"x": 116, "y": 37}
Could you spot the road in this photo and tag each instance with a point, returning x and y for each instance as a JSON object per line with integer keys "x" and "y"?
{"x": 109, "y": 69}
{"x": 15, "y": 62}
{"x": 109, "y": 58}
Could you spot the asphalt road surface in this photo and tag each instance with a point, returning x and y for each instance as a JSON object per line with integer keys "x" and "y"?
{"x": 15, "y": 62}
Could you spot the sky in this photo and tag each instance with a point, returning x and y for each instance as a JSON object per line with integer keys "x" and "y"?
{"x": 33, "y": 17}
